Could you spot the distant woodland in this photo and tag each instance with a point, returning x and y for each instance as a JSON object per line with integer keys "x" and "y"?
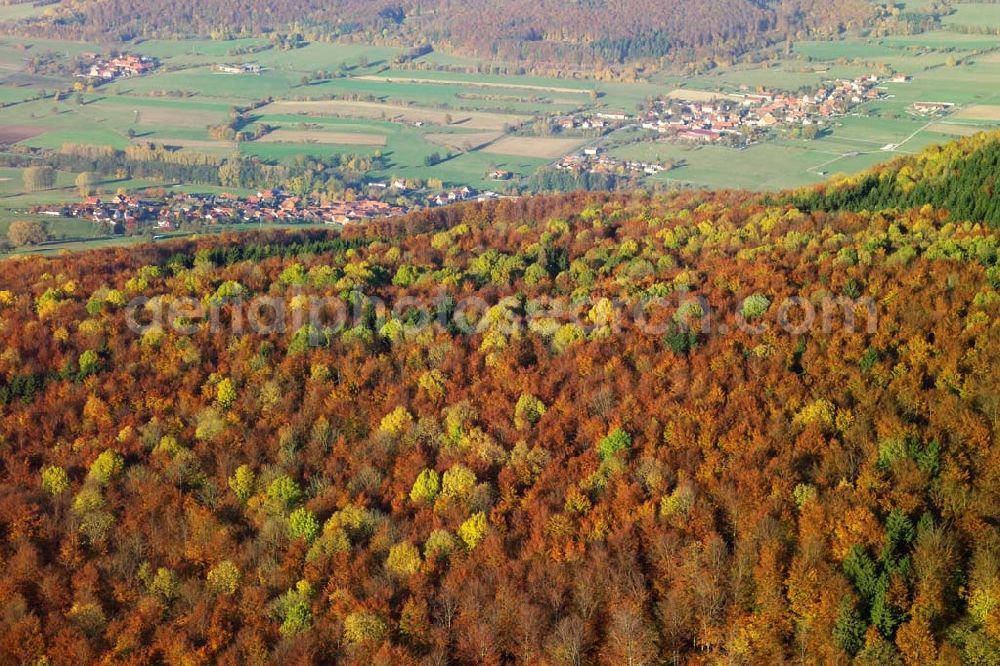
{"x": 575, "y": 33}
{"x": 582, "y": 491}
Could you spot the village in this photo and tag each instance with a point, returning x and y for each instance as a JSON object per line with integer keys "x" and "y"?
{"x": 158, "y": 211}
{"x": 594, "y": 161}
{"x": 714, "y": 117}
{"x": 739, "y": 118}
{"x": 724, "y": 119}
{"x": 124, "y": 65}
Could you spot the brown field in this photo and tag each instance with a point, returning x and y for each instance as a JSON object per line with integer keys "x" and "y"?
{"x": 178, "y": 117}
{"x": 468, "y": 141}
{"x": 16, "y": 133}
{"x": 391, "y": 112}
{"x": 980, "y": 112}
{"x": 698, "y": 95}
{"x": 953, "y": 129}
{"x": 474, "y": 84}
{"x": 320, "y": 136}
{"x": 529, "y": 146}
{"x": 200, "y": 144}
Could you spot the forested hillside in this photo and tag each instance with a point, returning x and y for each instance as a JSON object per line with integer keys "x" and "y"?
{"x": 961, "y": 177}
{"x": 532, "y": 30}
{"x": 679, "y": 465}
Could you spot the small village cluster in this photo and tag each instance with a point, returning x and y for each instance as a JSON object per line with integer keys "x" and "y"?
{"x": 124, "y": 213}
{"x": 595, "y": 161}
{"x": 729, "y": 115}
{"x": 240, "y": 68}
{"x": 121, "y": 66}
{"x": 745, "y": 115}
{"x": 932, "y": 108}
{"x": 732, "y": 119}
{"x": 598, "y": 121}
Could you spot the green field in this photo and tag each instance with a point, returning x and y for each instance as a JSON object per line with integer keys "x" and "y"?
{"x": 847, "y": 49}
{"x": 974, "y": 14}
{"x": 177, "y": 104}
{"x": 20, "y": 11}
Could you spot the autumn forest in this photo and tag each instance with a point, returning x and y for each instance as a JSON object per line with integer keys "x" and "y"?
{"x": 756, "y": 430}
{"x": 577, "y": 33}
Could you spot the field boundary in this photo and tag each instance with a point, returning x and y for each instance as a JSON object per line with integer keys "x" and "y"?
{"x": 472, "y": 84}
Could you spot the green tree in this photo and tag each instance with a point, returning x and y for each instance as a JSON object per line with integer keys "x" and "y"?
{"x": 165, "y": 584}
{"x": 85, "y": 183}
{"x": 528, "y": 411}
{"x": 566, "y": 336}
{"x": 225, "y": 393}
{"x": 395, "y": 422}
{"x": 426, "y": 487}
{"x": 106, "y": 466}
{"x": 473, "y": 530}
{"x": 432, "y": 383}
{"x": 404, "y": 559}
{"x": 364, "y": 627}
{"x": 615, "y": 441}
{"x": 242, "y": 482}
{"x": 458, "y": 482}
{"x": 849, "y": 629}
{"x": 439, "y": 544}
{"x": 224, "y": 577}
{"x": 406, "y": 275}
{"x": 285, "y": 490}
{"x": 302, "y": 524}
{"x": 680, "y": 339}
{"x": 27, "y": 232}
{"x": 754, "y": 306}
{"x": 295, "y": 609}
{"x": 55, "y": 481}
{"x": 89, "y": 363}
{"x": 39, "y": 178}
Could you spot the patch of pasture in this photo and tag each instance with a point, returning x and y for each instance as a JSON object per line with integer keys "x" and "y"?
{"x": 86, "y": 134}
{"x": 207, "y": 82}
{"x": 451, "y": 96}
{"x": 850, "y": 49}
{"x": 19, "y": 11}
{"x": 530, "y": 146}
{"x": 471, "y": 168}
{"x": 787, "y": 76}
{"x": 393, "y": 113}
{"x": 12, "y": 94}
{"x": 974, "y": 14}
{"x": 175, "y": 114}
{"x": 200, "y": 145}
{"x": 954, "y": 129}
{"x": 943, "y": 39}
{"x": 990, "y": 112}
{"x": 476, "y": 84}
{"x": 323, "y": 136}
{"x": 173, "y": 48}
{"x": 462, "y": 141}
{"x": 689, "y": 95}
{"x": 18, "y": 133}
{"x": 283, "y": 152}
{"x": 326, "y": 56}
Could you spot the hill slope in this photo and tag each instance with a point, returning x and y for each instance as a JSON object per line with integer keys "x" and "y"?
{"x": 961, "y": 177}
{"x": 590, "y": 483}
{"x": 523, "y": 29}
